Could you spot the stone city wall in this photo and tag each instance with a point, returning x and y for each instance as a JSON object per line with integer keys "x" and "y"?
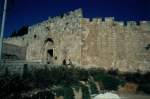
{"x": 97, "y": 42}
{"x": 13, "y": 52}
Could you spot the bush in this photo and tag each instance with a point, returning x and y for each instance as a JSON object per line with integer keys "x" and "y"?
{"x": 13, "y": 85}
{"x": 42, "y": 77}
{"x": 62, "y": 76}
{"x": 142, "y": 80}
{"x": 85, "y": 93}
{"x": 145, "y": 88}
{"x": 68, "y": 92}
{"x": 110, "y": 82}
{"x": 93, "y": 87}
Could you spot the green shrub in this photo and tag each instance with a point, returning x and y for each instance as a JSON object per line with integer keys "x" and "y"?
{"x": 93, "y": 87}
{"x": 68, "y": 92}
{"x": 85, "y": 93}
{"x": 145, "y": 88}
{"x": 58, "y": 91}
{"x": 109, "y": 82}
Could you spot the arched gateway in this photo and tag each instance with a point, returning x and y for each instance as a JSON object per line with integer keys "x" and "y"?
{"x": 48, "y": 51}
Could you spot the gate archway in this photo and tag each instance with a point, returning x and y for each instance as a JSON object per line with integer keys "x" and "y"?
{"x": 48, "y": 51}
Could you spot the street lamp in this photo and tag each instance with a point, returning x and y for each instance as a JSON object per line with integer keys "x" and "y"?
{"x": 2, "y": 28}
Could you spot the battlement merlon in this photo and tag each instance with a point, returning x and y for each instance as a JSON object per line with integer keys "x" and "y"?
{"x": 109, "y": 19}
{"x": 75, "y": 14}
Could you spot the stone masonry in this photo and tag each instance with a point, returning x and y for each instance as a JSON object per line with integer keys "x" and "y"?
{"x": 85, "y": 42}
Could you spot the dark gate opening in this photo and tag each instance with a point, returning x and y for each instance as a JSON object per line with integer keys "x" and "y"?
{"x": 49, "y": 56}
{"x": 50, "y": 52}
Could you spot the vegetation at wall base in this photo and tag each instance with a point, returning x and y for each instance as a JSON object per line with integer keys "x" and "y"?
{"x": 60, "y": 81}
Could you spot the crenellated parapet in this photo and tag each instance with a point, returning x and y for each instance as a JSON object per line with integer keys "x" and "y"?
{"x": 75, "y": 17}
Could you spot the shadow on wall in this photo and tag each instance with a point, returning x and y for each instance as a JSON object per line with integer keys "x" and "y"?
{"x": 13, "y": 52}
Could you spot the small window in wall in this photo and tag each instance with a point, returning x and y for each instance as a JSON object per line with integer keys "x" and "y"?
{"x": 47, "y": 28}
{"x": 147, "y": 47}
{"x": 55, "y": 57}
{"x": 67, "y": 23}
{"x": 35, "y": 36}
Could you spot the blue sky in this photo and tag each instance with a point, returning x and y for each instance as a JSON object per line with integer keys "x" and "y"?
{"x": 28, "y": 12}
